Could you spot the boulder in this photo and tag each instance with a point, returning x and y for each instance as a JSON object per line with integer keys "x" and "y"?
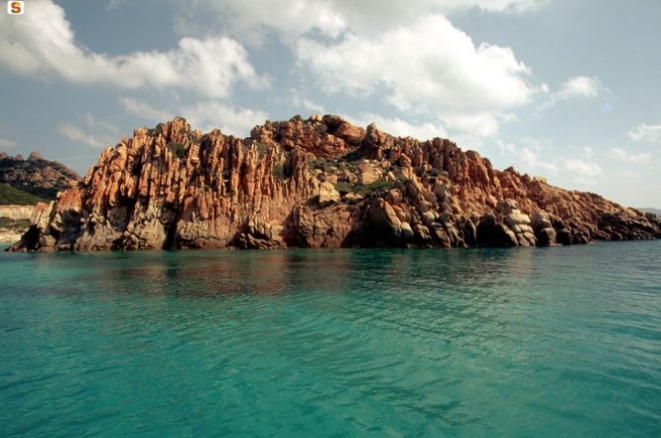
{"x": 493, "y": 234}
{"x": 327, "y": 194}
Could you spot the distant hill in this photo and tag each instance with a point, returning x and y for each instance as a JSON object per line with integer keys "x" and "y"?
{"x": 36, "y": 175}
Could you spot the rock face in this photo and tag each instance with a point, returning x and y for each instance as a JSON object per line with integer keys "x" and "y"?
{"x": 320, "y": 182}
{"x": 17, "y": 212}
{"x": 36, "y": 175}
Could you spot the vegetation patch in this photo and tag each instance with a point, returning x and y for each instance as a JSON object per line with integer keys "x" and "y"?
{"x": 177, "y": 149}
{"x": 380, "y": 185}
{"x": 261, "y": 148}
{"x": 11, "y": 224}
{"x": 279, "y": 172}
{"x": 12, "y": 196}
{"x": 158, "y": 130}
{"x": 344, "y": 187}
{"x": 377, "y": 186}
{"x": 436, "y": 172}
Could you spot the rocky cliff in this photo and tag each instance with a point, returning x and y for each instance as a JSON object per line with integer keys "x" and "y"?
{"x": 321, "y": 182}
{"x": 36, "y": 175}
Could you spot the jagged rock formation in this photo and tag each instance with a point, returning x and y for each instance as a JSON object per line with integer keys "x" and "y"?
{"x": 36, "y": 175}
{"x": 320, "y": 182}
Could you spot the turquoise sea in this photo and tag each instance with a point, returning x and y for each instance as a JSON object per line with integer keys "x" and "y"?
{"x": 552, "y": 342}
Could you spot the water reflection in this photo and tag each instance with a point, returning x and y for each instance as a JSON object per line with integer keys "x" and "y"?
{"x": 347, "y": 271}
{"x": 208, "y": 274}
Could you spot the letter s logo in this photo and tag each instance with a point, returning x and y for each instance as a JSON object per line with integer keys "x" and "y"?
{"x": 15, "y": 8}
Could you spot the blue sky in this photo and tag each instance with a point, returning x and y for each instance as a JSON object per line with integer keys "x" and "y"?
{"x": 563, "y": 89}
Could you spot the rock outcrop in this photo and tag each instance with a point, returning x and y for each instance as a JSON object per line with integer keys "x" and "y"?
{"x": 320, "y": 182}
{"x": 36, "y": 175}
{"x": 17, "y": 212}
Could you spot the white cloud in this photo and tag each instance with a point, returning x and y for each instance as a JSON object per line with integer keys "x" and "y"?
{"x": 530, "y": 156}
{"x": 113, "y": 4}
{"x": 587, "y": 168}
{"x": 645, "y": 132}
{"x": 204, "y": 116}
{"x": 95, "y": 133}
{"x": 626, "y": 174}
{"x": 42, "y": 41}
{"x": 254, "y": 20}
{"x": 401, "y": 128}
{"x": 302, "y": 102}
{"x": 509, "y": 6}
{"x": 98, "y": 125}
{"x": 7, "y": 144}
{"x": 586, "y": 173}
{"x": 428, "y": 67}
{"x": 360, "y": 15}
{"x": 230, "y": 120}
{"x": 144, "y": 110}
{"x": 78, "y": 135}
{"x": 572, "y": 88}
{"x": 629, "y": 157}
{"x": 480, "y": 125}
{"x": 580, "y": 86}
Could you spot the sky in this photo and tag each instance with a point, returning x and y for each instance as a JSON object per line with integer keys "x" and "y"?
{"x": 564, "y": 89}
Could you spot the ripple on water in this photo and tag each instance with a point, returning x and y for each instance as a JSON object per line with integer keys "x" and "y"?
{"x": 527, "y": 342}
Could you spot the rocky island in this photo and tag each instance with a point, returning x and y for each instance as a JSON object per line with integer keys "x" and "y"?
{"x": 320, "y": 182}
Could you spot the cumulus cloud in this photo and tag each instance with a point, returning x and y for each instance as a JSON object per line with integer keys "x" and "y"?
{"x": 76, "y": 134}
{"x": 142, "y": 109}
{"x": 428, "y": 67}
{"x": 254, "y": 20}
{"x": 359, "y": 15}
{"x": 401, "y": 128}
{"x": 43, "y": 42}
{"x": 412, "y": 55}
{"x": 584, "y": 172}
{"x": 629, "y": 157}
{"x": 481, "y": 124}
{"x": 530, "y": 155}
{"x": 580, "y": 86}
{"x": 645, "y": 132}
{"x": 586, "y": 168}
{"x": 204, "y": 115}
{"x": 509, "y": 6}
{"x": 574, "y": 87}
{"x": 300, "y": 101}
{"x": 90, "y": 131}
{"x": 230, "y": 120}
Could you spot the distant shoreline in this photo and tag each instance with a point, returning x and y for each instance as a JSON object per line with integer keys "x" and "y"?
{"x": 9, "y": 237}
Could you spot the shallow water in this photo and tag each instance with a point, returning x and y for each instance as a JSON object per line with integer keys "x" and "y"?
{"x": 333, "y": 343}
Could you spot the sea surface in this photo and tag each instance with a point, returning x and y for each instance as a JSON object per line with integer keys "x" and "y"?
{"x": 526, "y": 342}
